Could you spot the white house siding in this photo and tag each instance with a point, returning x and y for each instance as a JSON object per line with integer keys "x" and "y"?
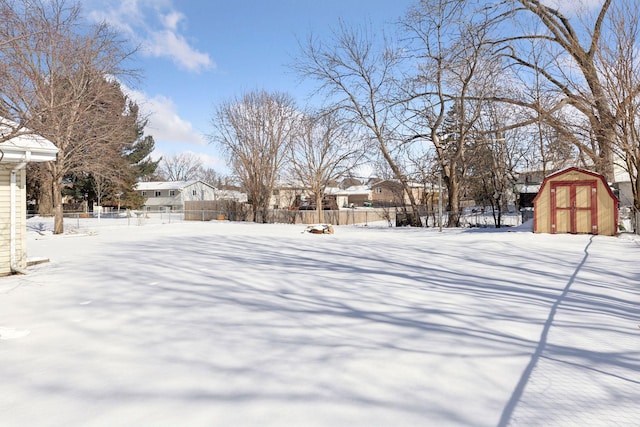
{"x": 5, "y": 219}
{"x": 356, "y": 195}
{"x": 285, "y": 196}
{"x": 173, "y": 194}
{"x": 202, "y": 192}
{"x": 623, "y": 183}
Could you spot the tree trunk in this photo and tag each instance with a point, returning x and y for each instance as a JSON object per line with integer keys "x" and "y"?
{"x": 415, "y": 214}
{"x": 264, "y": 210}
{"x": 254, "y": 211}
{"x": 453, "y": 203}
{"x": 58, "y": 218}
{"x": 45, "y": 200}
{"x": 319, "y": 208}
{"x": 45, "y": 196}
{"x": 635, "y": 185}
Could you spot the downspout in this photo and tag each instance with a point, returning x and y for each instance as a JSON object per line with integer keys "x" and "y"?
{"x": 13, "y": 217}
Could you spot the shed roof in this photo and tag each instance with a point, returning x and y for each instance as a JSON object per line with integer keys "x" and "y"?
{"x": 395, "y": 181}
{"x": 576, "y": 169}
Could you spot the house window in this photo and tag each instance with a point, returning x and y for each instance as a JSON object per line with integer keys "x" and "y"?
{"x": 172, "y": 193}
{"x": 378, "y": 190}
{"x": 144, "y": 193}
{"x": 194, "y": 192}
{"x": 158, "y": 193}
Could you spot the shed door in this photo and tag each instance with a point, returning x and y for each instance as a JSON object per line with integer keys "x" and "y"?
{"x": 574, "y": 207}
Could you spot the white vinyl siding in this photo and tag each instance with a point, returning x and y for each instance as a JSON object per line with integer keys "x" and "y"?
{"x": 5, "y": 217}
{"x": 173, "y": 194}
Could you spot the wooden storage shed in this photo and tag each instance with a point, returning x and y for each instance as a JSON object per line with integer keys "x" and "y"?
{"x": 575, "y": 201}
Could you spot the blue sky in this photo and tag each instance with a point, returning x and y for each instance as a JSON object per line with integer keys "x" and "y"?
{"x": 198, "y": 53}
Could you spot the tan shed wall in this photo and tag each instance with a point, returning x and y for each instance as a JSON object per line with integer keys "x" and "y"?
{"x": 607, "y": 212}
{"x": 606, "y": 206}
{"x": 5, "y": 217}
{"x": 542, "y": 210}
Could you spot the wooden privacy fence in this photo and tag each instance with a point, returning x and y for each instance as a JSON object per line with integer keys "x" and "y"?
{"x": 236, "y": 211}
{"x": 334, "y": 217}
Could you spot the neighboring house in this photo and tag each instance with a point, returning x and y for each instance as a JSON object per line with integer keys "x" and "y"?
{"x": 233, "y": 195}
{"x": 622, "y": 183}
{"x": 526, "y": 188}
{"x": 14, "y": 156}
{"x": 355, "y": 195}
{"x": 293, "y": 196}
{"x": 349, "y": 182}
{"x": 389, "y": 192}
{"x": 284, "y": 195}
{"x": 376, "y": 192}
{"x": 171, "y": 195}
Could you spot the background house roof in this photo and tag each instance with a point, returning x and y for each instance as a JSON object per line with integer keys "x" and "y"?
{"x": 385, "y": 182}
{"x": 353, "y": 190}
{"x": 165, "y": 185}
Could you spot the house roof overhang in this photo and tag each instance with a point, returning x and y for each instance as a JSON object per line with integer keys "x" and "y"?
{"x": 27, "y": 147}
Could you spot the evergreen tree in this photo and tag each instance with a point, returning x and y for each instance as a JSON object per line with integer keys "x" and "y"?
{"x": 138, "y": 166}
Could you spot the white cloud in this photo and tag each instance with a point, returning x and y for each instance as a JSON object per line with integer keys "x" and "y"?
{"x": 169, "y": 43}
{"x": 213, "y": 162}
{"x": 171, "y": 132}
{"x": 208, "y": 160}
{"x": 156, "y": 26}
{"x": 165, "y": 124}
{"x": 172, "y": 19}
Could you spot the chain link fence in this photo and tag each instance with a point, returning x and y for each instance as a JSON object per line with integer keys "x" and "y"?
{"x": 629, "y": 219}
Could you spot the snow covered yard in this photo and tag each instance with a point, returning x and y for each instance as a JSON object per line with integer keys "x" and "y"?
{"x": 240, "y": 324}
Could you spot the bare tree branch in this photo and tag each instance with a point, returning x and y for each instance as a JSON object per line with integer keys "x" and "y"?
{"x": 57, "y": 77}
{"x": 255, "y": 130}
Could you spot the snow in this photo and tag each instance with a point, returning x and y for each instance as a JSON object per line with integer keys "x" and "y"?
{"x": 165, "y": 323}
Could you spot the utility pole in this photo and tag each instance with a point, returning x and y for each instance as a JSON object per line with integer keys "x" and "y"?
{"x": 440, "y": 200}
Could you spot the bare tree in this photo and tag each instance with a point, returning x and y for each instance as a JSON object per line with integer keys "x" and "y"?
{"x": 360, "y": 76}
{"x": 58, "y": 78}
{"x": 494, "y": 160}
{"x": 553, "y": 151}
{"x": 256, "y": 130}
{"x": 102, "y": 186}
{"x": 621, "y": 76}
{"x": 180, "y": 167}
{"x": 325, "y": 148}
{"x": 586, "y": 63}
{"x": 426, "y": 171}
{"x": 544, "y": 43}
{"x": 455, "y": 74}
{"x": 15, "y": 101}
{"x": 215, "y": 178}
